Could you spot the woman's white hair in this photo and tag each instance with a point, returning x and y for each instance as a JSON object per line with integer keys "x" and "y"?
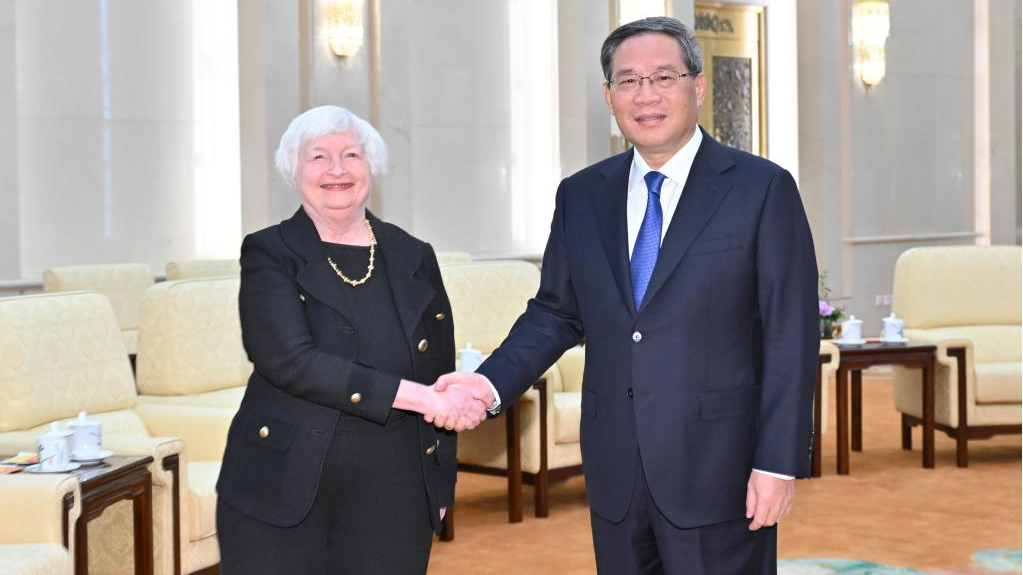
{"x": 321, "y": 121}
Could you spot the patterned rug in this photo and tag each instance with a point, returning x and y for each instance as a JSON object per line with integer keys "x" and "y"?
{"x": 986, "y": 562}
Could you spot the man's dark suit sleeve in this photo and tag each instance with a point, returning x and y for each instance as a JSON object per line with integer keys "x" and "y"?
{"x": 787, "y": 293}
{"x": 549, "y": 326}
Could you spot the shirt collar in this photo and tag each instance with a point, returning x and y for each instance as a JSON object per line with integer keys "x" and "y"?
{"x": 675, "y": 169}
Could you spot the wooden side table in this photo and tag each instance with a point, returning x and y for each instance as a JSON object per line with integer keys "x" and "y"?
{"x": 854, "y": 359}
{"x": 117, "y": 478}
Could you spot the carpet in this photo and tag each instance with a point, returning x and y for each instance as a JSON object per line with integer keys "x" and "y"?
{"x": 985, "y": 562}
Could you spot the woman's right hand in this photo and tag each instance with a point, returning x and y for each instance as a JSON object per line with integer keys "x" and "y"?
{"x": 456, "y": 406}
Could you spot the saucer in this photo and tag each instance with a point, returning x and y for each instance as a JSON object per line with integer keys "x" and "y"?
{"x": 894, "y": 340}
{"x": 850, "y": 341}
{"x": 98, "y": 458}
{"x": 70, "y": 467}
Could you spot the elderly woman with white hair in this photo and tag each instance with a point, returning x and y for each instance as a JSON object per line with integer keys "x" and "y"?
{"x": 329, "y": 467}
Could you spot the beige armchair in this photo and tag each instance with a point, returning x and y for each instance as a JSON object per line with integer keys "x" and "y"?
{"x": 124, "y": 284}
{"x": 194, "y": 269}
{"x": 965, "y": 300}
{"x": 64, "y": 353}
{"x": 828, "y": 359}
{"x": 486, "y": 299}
{"x": 190, "y": 344}
{"x": 41, "y": 541}
{"x": 444, "y": 258}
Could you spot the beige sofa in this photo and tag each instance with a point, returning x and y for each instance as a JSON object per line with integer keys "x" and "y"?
{"x": 966, "y": 300}
{"x": 41, "y": 540}
{"x": 63, "y": 353}
{"x": 486, "y": 299}
{"x": 124, "y": 284}
{"x": 195, "y": 269}
{"x": 190, "y": 344}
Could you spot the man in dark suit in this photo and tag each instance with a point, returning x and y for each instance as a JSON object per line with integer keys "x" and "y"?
{"x": 689, "y": 268}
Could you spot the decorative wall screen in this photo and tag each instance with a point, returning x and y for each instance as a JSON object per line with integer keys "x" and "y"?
{"x": 731, "y": 37}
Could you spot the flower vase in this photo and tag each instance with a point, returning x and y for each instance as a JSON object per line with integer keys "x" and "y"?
{"x": 827, "y": 327}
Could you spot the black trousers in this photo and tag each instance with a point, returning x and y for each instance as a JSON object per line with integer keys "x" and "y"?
{"x": 370, "y": 515}
{"x": 646, "y": 543}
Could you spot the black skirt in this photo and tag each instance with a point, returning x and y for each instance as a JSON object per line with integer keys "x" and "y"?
{"x": 370, "y": 516}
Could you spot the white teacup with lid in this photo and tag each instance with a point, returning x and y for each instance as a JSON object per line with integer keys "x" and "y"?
{"x": 852, "y": 330}
{"x": 893, "y": 328}
{"x": 469, "y": 359}
{"x": 54, "y": 449}
{"x": 88, "y": 437}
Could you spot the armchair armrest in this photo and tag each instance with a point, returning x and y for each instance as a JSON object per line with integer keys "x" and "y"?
{"x": 45, "y": 507}
{"x": 945, "y": 359}
{"x": 203, "y": 429}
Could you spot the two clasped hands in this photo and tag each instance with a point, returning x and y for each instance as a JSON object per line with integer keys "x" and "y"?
{"x": 457, "y": 401}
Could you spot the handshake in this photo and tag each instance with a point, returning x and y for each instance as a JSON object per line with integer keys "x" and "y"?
{"x": 457, "y": 401}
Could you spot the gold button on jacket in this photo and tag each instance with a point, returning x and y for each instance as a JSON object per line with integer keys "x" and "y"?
{"x": 356, "y": 397}
{"x": 431, "y": 449}
{"x": 439, "y": 317}
{"x": 264, "y": 432}
{"x": 423, "y": 345}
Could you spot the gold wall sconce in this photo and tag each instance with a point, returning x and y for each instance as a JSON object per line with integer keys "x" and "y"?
{"x": 870, "y": 24}
{"x": 345, "y": 32}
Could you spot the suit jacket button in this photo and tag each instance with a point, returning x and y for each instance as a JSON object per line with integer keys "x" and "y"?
{"x": 264, "y": 432}
{"x": 431, "y": 449}
{"x": 423, "y": 345}
{"x": 630, "y": 392}
{"x": 439, "y": 317}
{"x": 637, "y": 337}
{"x": 301, "y": 297}
{"x": 356, "y": 398}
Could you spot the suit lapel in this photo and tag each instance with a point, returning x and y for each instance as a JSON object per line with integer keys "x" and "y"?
{"x": 707, "y": 185}
{"x": 403, "y": 258}
{"x": 316, "y": 278}
{"x": 609, "y": 203}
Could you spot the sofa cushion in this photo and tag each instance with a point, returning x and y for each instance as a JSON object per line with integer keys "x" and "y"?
{"x": 202, "y": 499}
{"x": 567, "y": 411}
{"x": 35, "y": 559}
{"x": 958, "y": 285}
{"x": 999, "y": 382}
{"x": 230, "y": 397}
{"x": 487, "y": 298}
{"x": 60, "y": 354}
{"x": 124, "y": 284}
{"x": 193, "y": 269}
{"x": 190, "y": 338}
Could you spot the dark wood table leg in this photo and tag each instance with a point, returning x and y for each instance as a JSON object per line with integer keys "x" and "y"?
{"x": 142, "y": 510}
{"x": 842, "y": 421}
{"x": 962, "y": 426}
{"x": 857, "y": 410}
{"x": 514, "y": 449}
{"x": 815, "y": 459}
{"x": 541, "y": 506}
{"x": 82, "y": 546}
{"x": 928, "y": 404}
{"x": 447, "y": 527}
{"x": 907, "y": 433}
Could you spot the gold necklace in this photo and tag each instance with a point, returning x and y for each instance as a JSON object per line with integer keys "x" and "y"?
{"x": 369, "y": 270}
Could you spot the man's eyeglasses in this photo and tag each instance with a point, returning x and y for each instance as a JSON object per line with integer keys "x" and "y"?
{"x": 662, "y": 80}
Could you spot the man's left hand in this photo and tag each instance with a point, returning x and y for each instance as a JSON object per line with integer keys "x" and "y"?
{"x": 768, "y": 499}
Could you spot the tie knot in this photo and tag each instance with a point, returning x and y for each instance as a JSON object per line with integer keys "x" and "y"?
{"x": 654, "y": 180}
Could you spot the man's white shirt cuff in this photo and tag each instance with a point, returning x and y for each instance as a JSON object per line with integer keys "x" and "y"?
{"x": 778, "y": 475}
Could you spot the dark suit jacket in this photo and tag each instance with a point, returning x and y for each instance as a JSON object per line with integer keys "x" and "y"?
{"x": 298, "y": 332}
{"x": 714, "y": 374}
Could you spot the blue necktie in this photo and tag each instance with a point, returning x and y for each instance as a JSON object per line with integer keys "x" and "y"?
{"x": 648, "y": 242}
